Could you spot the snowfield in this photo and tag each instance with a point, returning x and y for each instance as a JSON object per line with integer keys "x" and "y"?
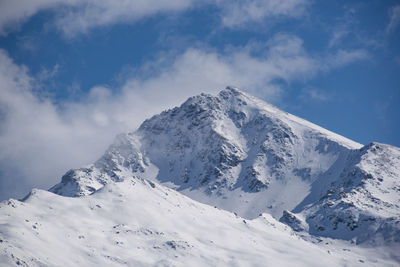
{"x": 225, "y": 180}
{"x": 140, "y": 223}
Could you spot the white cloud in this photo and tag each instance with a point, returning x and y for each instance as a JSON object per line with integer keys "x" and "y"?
{"x": 394, "y": 14}
{"x": 13, "y": 13}
{"x": 79, "y": 16}
{"x": 36, "y": 140}
{"x": 344, "y": 28}
{"x": 344, "y": 57}
{"x": 238, "y": 13}
{"x": 313, "y": 94}
{"x": 94, "y": 13}
{"x": 40, "y": 141}
{"x": 73, "y": 17}
{"x": 338, "y": 35}
{"x": 47, "y": 74}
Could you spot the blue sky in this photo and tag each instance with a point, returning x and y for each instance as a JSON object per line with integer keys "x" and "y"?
{"x": 73, "y": 74}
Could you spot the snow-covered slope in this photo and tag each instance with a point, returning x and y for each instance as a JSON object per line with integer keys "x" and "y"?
{"x": 140, "y": 223}
{"x": 243, "y": 155}
{"x": 360, "y": 202}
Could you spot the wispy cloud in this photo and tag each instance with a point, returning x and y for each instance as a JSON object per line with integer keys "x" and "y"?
{"x": 338, "y": 35}
{"x": 27, "y": 42}
{"x": 47, "y": 74}
{"x": 397, "y": 60}
{"x": 344, "y": 57}
{"x": 95, "y": 13}
{"x": 313, "y": 94}
{"x": 74, "y": 17}
{"x": 343, "y": 27}
{"x": 239, "y": 13}
{"x": 79, "y": 16}
{"x": 394, "y": 15}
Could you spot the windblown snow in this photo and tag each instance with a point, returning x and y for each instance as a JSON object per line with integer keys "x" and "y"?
{"x": 221, "y": 180}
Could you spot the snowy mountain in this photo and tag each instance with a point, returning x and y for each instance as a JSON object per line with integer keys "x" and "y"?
{"x": 243, "y": 155}
{"x": 235, "y": 153}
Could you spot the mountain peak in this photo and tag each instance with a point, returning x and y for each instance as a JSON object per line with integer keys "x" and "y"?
{"x": 231, "y": 90}
{"x": 216, "y": 145}
{"x": 238, "y": 153}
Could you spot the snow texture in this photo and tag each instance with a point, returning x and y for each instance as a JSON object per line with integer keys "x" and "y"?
{"x": 140, "y": 223}
{"x": 252, "y": 163}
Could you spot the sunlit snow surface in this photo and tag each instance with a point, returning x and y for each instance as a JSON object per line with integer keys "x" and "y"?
{"x": 139, "y": 204}
{"x": 137, "y": 223}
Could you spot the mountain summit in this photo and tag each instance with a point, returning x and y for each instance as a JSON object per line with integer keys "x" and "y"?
{"x": 241, "y": 154}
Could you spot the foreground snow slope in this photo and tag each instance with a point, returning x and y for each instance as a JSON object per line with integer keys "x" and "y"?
{"x": 243, "y": 155}
{"x": 140, "y": 223}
